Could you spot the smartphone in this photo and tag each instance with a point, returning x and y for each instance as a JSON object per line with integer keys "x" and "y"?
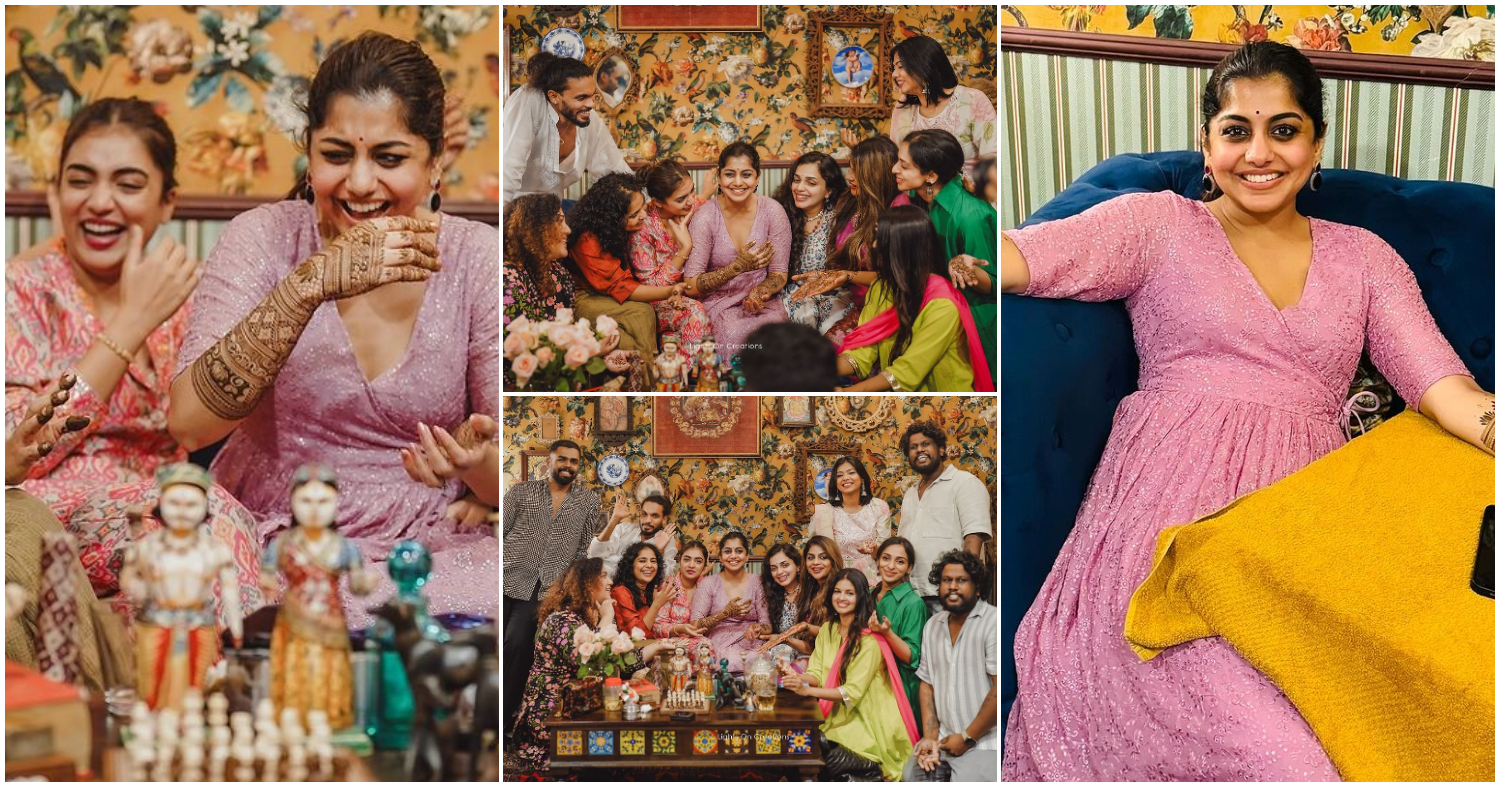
{"x": 1483, "y": 581}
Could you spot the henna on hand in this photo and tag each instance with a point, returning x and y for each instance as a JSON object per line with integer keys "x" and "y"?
{"x": 231, "y": 376}
{"x": 713, "y": 280}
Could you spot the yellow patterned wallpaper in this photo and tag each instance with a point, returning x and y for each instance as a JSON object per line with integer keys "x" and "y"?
{"x": 704, "y": 90}
{"x": 1445, "y": 31}
{"x": 712, "y": 496}
{"x": 227, "y": 79}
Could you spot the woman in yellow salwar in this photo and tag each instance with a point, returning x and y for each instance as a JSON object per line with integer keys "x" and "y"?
{"x": 310, "y": 667}
{"x": 869, "y": 729}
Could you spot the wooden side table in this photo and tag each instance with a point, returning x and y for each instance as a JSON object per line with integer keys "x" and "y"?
{"x": 782, "y": 738}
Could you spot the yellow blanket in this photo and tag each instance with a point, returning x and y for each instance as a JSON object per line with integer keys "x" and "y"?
{"x": 1347, "y": 584}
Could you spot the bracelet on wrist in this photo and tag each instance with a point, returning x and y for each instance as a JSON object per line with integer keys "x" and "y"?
{"x": 114, "y": 347}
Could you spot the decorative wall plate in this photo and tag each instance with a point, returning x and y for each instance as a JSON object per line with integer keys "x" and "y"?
{"x": 564, "y": 42}
{"x": 613, "y": 470}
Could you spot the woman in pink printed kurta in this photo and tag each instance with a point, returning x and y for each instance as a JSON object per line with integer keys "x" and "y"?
{"x": 651, "y": 252}
{"x": 1234, "y": 395}
{"x": 91, "y": 477}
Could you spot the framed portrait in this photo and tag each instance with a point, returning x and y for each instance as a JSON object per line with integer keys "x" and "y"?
{"x": 614, "y": 420}
{"x": 848, "y": 64}
{"x": 652, "y": 18}
{"x": 814, "y": 469}
{"x": 706, "y": 426}
{"x": 795, "y": 411}
{"x": 614, "y": 78}
{"x": 650, "y": 484}
{"x": 551, "y": 427}
{"x": 534, "y": 465}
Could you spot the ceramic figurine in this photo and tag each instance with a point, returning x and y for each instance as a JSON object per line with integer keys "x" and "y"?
{"x": 310, "y": 666}
{"x": 708, "y": 367}
{"x": 681, "y": 669}
{"x": 671, "y": 366}
{"x": 705, "y": 681}
{"x": 170, "y": 575}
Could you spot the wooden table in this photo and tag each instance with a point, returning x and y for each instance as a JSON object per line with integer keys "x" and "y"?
{"x": 782, "y": 738}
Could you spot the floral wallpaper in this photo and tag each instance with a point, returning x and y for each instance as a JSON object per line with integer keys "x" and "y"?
{"x": 712, "y": 496}
{"x": 1456, "y": 32}
{"x": 701, "y": 91}
{"x": 228, "y": 79}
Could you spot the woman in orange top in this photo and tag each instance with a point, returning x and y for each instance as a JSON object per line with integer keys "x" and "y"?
{"x": 635, "y": 583}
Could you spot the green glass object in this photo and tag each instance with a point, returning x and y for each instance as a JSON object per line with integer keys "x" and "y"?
{"x": 410, "y": 564}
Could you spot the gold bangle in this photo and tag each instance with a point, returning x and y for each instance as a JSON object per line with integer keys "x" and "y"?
{"x": 114, "y": 347}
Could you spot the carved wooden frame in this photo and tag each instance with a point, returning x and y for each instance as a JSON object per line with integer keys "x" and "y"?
{"x": 802, "y": 486}
{"x": 848, "y": 17}
{"x": 613, "y": 437}
{"x": 526, "y": 457}
{"x": 631, "y": 91}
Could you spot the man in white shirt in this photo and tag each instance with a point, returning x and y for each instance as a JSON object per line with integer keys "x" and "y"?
{"x": 618, "y": 535}
{"x": 549, "y": 139}
{"x": 948, "y": 509}
{"x": 957, "y": 694}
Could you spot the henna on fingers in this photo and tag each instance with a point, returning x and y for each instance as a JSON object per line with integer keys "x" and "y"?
{"x": 231, "y": 376}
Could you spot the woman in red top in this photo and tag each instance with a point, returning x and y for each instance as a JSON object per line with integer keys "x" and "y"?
{"x": 635, "y": 583}
{"x": 599, "y": 246}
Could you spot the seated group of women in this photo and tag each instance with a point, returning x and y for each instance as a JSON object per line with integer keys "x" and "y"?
{"x": 350, "y": 325}
{"x": 894, "y": 263}
{"x": 835, "y": 614}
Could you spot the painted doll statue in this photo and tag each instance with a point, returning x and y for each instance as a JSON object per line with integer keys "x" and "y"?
{"x": 671, "y": 366}
{"x": 707, "y": 365}
{"x": 170, "y": 575}
{"x": 310, "y": 667}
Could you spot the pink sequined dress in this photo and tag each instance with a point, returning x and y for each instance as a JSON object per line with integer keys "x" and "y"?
{"x": 712, "y": 250}
{"x": 322, "y": 409}
{"x": 1234, "y": 395}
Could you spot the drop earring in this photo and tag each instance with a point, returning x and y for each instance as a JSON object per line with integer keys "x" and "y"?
{"x": 1208, "y": 182}
{"x": 307, "y": 191}
{"x": 1316, "y": 181}
{"x": 436, "y": 201}
{"x": 927, "y": 190}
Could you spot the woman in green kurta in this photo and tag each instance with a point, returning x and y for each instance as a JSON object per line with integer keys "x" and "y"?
{"x": 928, "y": 163}
{"x": 914, "y": 333}
{"x": 851, "y": 679}
{"x": 900, "y": 613}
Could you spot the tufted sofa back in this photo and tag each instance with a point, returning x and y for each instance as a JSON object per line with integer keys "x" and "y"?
{"x": 1067, "y": 364}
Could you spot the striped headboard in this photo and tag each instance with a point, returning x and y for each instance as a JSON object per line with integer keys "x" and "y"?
{"x": 1062, "y": 115}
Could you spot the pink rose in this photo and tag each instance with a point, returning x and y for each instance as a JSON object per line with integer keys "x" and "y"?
{"x": 564, "y": 315}
{"x": 582, "y": 634}
{"x": 577, "y": 356}
{"x": 621, "y": 645}
{"x": 587, "y": 650}
{"x": 515, "y": 344}
{"x": 544, "y": 356}
{"x": 636, "y": 633}
{"x": 607, "y": 326}
{"x": 524, "y": 366}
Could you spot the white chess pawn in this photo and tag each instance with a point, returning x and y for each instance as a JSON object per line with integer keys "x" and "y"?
{"x": 165, "y": 754}
{"x": 217, "y": 757}
{"x": 142, "y": 757}
{"x": 324, "y": 754}
{"x": 244, "y": 758}
{"x": 192, "y": 764}
{"x": 219, "y": 736}
{"x": 167, "y": 723}
{"x": 296, "y": 764}
{"x": 270, "y": 756}
{"x": 316, "y": 719}
{"x": 218, "y": 710}
{"x": 192, "y": 700}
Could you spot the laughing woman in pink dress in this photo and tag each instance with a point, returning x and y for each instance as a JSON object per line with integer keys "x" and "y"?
{"x": 1249, "y": 320}
{"x": 346, "y": 326}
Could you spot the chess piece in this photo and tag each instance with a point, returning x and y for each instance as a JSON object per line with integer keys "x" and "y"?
{"x": 310, "y": 664}
{"x": 192, "y": 764}
{"x": 169, "y": 574}
{"x": 218, "y": 710}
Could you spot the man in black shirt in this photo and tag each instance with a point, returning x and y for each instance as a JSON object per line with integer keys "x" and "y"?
{"x": 548, "y": 524}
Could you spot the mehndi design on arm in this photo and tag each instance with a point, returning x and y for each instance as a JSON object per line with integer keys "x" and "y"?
{"x": 232, "y": 376}
{"x": 1487, "y": 422}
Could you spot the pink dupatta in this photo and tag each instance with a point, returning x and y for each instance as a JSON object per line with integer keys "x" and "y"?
{"x": 891, "y": 674}
{"x": 885, "y": 324}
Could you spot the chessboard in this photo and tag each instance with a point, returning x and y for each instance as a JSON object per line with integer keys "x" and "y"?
{"x": 690, "y": 700}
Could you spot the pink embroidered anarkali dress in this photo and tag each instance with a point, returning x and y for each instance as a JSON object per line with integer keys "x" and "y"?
{"x": 323, "y": 409}
{"x": 1234, "y": 395}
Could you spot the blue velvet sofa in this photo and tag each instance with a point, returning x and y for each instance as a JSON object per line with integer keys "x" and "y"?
{"x": 1067, "y": 364}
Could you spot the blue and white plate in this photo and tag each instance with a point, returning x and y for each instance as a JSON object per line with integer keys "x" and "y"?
{"x": 563, "y": 42}
{"x": 613, "y": 470}
{"x": 820, "y": 483}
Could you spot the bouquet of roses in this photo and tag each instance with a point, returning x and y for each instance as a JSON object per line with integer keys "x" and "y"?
{"x": 607, "y": 651}
{"x": 559, "y": 354}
